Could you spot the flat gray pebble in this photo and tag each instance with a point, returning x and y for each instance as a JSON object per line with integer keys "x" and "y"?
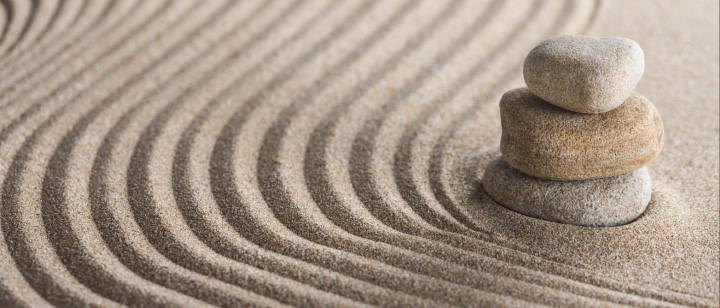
{"x": 609, "y": 201}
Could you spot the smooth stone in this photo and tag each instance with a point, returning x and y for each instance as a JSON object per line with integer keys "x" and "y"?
{"x": 609, "y": 201}
{"x": 584, "y": 73}
{"x": 549, "y": 142}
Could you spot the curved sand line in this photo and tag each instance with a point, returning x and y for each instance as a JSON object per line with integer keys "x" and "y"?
{"x": 38, "y": 21}
{"x": 270, "y": 153}
{"x": 19, "y": 14}
{"x": 82, "y": 26}
{"x": 60, "y": 155}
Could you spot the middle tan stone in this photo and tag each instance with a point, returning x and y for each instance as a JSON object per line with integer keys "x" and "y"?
{"x": 549, "y": 142}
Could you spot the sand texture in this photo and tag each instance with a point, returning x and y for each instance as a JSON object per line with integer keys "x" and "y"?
{"x": 328, "y": 154}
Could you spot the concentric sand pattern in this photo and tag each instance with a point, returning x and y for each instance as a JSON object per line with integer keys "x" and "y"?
{"x": 313, "y": 153}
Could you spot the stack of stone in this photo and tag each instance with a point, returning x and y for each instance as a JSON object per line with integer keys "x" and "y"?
{"x": 575, "y": 141}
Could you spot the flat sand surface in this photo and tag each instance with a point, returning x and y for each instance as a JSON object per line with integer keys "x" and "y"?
{"x": 328, "y": 153}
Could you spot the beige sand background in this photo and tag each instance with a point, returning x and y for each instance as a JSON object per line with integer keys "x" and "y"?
{"x": 328, "y": 153}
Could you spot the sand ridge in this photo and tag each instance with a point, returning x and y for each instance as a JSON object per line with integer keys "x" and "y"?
{"x": 300, "y": 153}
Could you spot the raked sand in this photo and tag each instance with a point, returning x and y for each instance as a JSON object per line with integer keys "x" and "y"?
{"x": 326, "y": 153}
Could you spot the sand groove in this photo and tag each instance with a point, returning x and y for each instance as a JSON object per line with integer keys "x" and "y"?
{"x": 270, "y": 153}
{"x": 78, "y": 31}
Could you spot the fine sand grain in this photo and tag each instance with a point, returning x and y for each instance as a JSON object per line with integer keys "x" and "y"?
{"x": 328, "y": 153}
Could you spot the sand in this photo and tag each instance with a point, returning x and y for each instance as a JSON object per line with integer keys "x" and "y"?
{"x": 324, "y": 153}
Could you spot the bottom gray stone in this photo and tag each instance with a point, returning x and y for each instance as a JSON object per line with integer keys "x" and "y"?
{"x": 608, "y": 201}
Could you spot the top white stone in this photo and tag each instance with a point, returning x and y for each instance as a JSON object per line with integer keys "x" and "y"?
{"x": 583, "y": 73}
